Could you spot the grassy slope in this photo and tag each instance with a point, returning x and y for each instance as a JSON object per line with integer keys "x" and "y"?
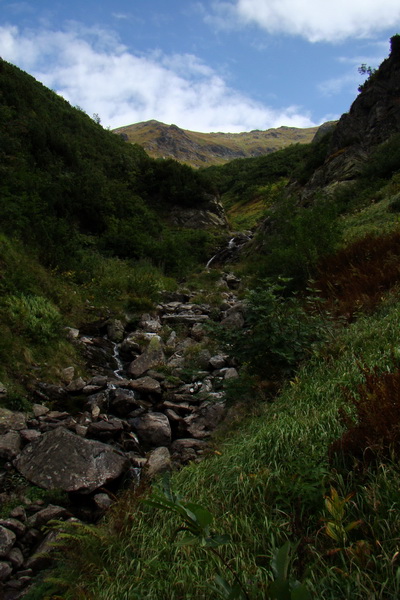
{"x": 264, "y": 485}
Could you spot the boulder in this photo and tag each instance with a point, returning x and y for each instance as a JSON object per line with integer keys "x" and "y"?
{"x": 65, "y": 461}
{"x": 122, "y": 402}
{"x": 202, "y": 422}
{"x": 105, "y": 430}
{"x": 159, "y": 461}
{"x": 146, "y": 385}
{"x": 153, "y": 429}
{"x": 10, "y": 445}
{"x": 5, "y": 571}
{"x": 11, "y": 421}
{"x": 7, "y": 541}
{"x": 152, "y": 357}
{"x": 115, "y": 330}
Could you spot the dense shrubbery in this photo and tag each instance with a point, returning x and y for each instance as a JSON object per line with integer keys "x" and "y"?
{"x": 279, "y": 331}
{"x": 294, "y": 239}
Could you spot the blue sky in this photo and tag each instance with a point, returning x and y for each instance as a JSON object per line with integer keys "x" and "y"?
{"x": 208, "y": 65}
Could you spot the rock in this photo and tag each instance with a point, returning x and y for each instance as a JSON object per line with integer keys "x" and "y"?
{"x": 51, "y": 393}
{"x": 197, "y": 332}
{"x": 185, "y": 318}
{"x": 10, "y": 445}
{"x": 62, "y": 460}
{"x": 72, "y": 333}
{"x": 159, "y": 461}
{"x": 81, "y": 430}
{"x": 105, "y": 430}
{"x": 7, "y": 541}
{"x": 115, "y": 330}
{"x": 201, "y": 423}
{"x": 76, "y": 386}
{"x": 234, "y": 320}
{"x": 67, "y": 374}
{"x": 10, "y": 420}
{"x": 153, "y": 429}
{"x": 16, "y": 558}
{"x": 187, "y": 449}
{"x": 152, "y": 357}
{"x": 39, "y": 410}
{"x": 14, "y": 525}
{"x": 102, "y": 501}
{"x": 218, "y": 361}
{"x": 47, "y": 514}
{"x": 3, "y": 390}
{"x": 42, "y": 557}
{"x": 231, "y": 373}
{"x": 122, "y": 402}
{"x": 5, "y": 570}
{"x": 146, "y": 385}
{"x": 150, "y": 324}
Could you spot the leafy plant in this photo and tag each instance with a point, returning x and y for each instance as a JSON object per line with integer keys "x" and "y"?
{"x": 335, "y": 527}
{"x": 197, "y": 522}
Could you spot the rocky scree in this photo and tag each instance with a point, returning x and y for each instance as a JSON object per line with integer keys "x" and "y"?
{"x": 154, "y": 397}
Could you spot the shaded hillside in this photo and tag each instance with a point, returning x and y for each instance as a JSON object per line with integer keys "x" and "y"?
{"x": 67, "y": 185}
{"x": 203, "y": 149}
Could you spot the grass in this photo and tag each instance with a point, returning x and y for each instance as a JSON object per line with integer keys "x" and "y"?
{"x": 265, "y": 484}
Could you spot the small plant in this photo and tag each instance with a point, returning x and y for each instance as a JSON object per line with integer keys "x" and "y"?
{"x": 197, "y": 522}
{"x": 336, "y": 527}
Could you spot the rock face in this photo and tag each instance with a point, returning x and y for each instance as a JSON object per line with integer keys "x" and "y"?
{"x": 64, "y": 461}
{"x": 373, "y": 117}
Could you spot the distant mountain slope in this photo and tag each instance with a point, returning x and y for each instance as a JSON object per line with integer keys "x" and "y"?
{"x": 205, "y": 149}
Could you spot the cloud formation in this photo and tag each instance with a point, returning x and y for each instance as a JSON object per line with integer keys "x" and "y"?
{"x": 316, "y": 20}
{"x": 92, "y": 69}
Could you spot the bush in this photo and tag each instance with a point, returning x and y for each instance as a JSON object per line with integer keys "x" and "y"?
{"x": 373, "y": 430}
{"x": 34, "y": 316}
{"x": 278, "y": 332}
{"x": 296, "y": 239}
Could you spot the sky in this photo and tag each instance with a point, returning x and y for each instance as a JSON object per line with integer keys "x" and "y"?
{"x": 207, "y": 65}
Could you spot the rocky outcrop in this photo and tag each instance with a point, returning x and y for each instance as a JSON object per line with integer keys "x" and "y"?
{"x": 373, "y": 118}
{"x": 210, "y": 216}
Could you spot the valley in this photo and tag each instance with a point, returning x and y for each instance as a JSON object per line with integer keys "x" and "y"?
{"x": 199, "y": 368}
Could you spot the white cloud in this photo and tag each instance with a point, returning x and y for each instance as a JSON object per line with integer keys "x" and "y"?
{"x": 352, "y": 78}
{"x": 315, "y": 20}
{"x": 90, "y": 68}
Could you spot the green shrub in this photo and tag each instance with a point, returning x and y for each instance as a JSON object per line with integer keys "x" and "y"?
{"x": 278, "y": 332}
{"x": 34, "y": 316}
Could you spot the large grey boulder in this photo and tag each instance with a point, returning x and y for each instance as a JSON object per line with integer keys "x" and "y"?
{"x": 153, "y": 429}
{"x": 152, "y": 357}
{"x": 65, "y": 461}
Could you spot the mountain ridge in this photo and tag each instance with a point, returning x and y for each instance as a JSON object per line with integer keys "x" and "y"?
{"x": 199, "y": 149}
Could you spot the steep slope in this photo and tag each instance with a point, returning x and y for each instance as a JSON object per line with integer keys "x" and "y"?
{"x": 204, "y": 149}
{"x": 372, "y": 119}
